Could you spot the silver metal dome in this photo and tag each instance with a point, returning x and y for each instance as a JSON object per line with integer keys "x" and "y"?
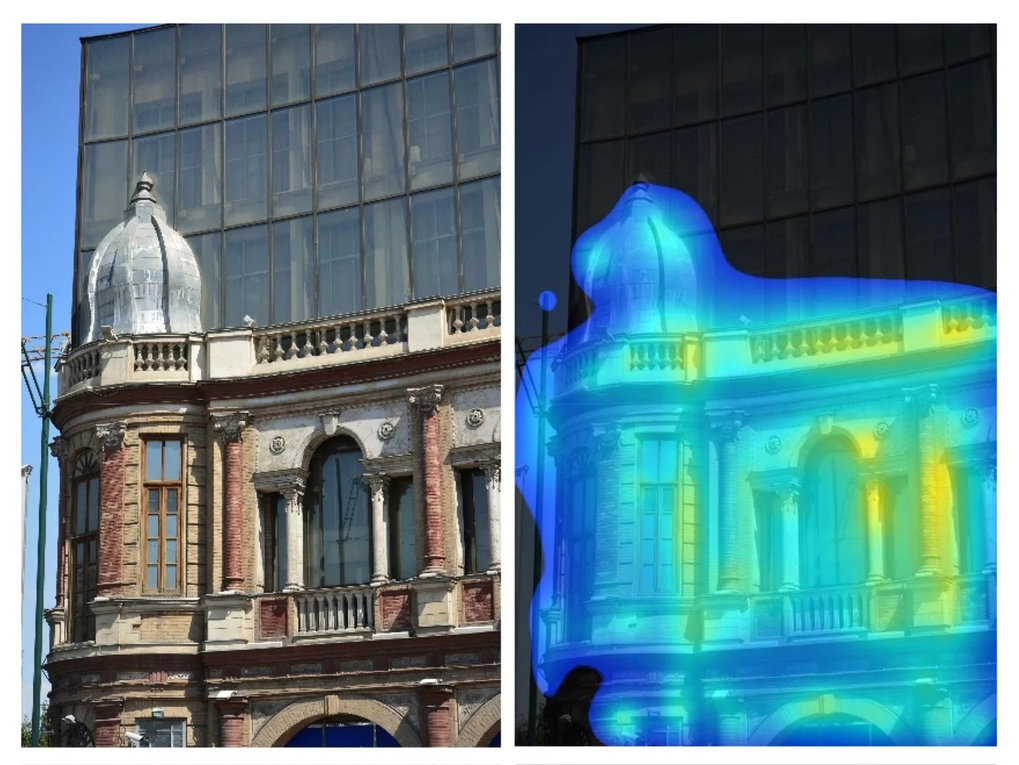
{"x": 144, "y": 278}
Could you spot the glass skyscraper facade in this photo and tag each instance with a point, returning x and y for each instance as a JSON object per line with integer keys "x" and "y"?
{"x": 314, "y": 169}
{"x": 815, "y": 150}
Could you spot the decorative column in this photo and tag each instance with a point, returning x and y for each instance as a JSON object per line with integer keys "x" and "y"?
{"x": 294, "y": 575}
{"x": 726, "y": 436}
{"x": 61, "y": 450}
{"x": 111, "y": 508}
{"x": 107, "y": 722}
{"x": 875, "y": 529}
{"x": 923, "y": 399}
{"x": 492, "y": 483}
{"x": 230, "y": 429}
{"x": 231, "y": 721}
{"x": 789, "y": 513}
{"x": 933, "y": 712}
{"x": 427, "y": 401}
{"x": 437, "y": 709}
{"x": 379, "y": 485}
{"x": 990, "y": 487}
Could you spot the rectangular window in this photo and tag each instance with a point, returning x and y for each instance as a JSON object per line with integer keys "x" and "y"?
{"x": 379, "y": 52}
{"x": 201, "y": 72}
{"x": 695, "y": 169}
{"x": 659, "y": 488}
{"x": 208, "y": 249}
{"x": 923, "y": 130}
{"x": 274, "y": 542}
{"x": 106, "y": 86}
{"x": 769, "y": 541}
{"x": 382, "y": 140}
{"x": 426, "y": 47}
{"x": 476, "y": 92}
{"x": 104, "y": 190}
{"x": 291, "y": 63}
{"x": 877, "y": 145}
{"x": 477, "y": 552}
{"x": 742, "y": 194}
{"x": 200, "y": 179}
{"x": 403, "y": 562}
{"x": 154, "y": 155}
{"x": 162, "y": 732}
{"x": 291, "y": 161}
{"x": 829, "y": 59}
{"x": 741, "y": 68}
{"x": 334, "y": 59}
{"x": 787, "y": 161}
{"x": 337, "y": 151}
{"x": 293, "y": 270}
{"x": 247, "y": 275}
{"x": 245, "y": 68}
{"x": 602, "y": 88}
{"x": 429, "y": 124}
{"x": 433, "y": 233}
{"x": 479, "y": 224}
{"x": 339, "y": 262}
{"x": 649, "y": 80}
{"x": 246, "y": 169}
{"x": 831, "y": 151}
{"x": 155, "y": 85}
{"x": 84, "y": 545}
{"x": 387, "y": 277}
{"x": 162, "y": 488}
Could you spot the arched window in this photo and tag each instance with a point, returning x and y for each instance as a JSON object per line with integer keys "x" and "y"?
{"x": 579, "y": 543}
{"x": 84, "y": 542}
{"x": 833, "y": 545}
{"x": 337, "y": 529}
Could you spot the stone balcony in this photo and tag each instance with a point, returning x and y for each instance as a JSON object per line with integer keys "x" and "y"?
{"x": 236, "y": 353}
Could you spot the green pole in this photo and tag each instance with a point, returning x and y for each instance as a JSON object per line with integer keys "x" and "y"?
{"x": 40, "y": 571}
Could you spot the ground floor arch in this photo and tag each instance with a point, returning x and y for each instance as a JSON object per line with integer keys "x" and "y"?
{"x": 482, "y": 728}
{"x": 980, "y": 725}
{"x": 286, "y": 723}
{"x": 794, "y": 717}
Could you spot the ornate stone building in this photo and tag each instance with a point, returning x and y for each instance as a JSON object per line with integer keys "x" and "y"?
{"x": 273, "y": 534}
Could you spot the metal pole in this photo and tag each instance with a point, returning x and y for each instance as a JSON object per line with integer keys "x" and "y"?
{"x": 40, "y": 571}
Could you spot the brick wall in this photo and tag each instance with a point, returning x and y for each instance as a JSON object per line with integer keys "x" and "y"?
{"x": 395, "y": 607}
{"x": 478, "y": 601}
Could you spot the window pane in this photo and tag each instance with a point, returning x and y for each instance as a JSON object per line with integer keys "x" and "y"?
{"x": 479, "y": 220}
{"x": 742, "y": 191}
{"x": 155, "y": 86}
{"x": 171, "y": 577}
{"x": 93, "y": 505}
{"x": 787, "y": 161}
{"x": 923, "y": 127}
{"x": 602, "y": 87}
{"x": 387, "y": 277}
{"x": 291, "y": 63}
{"x": 650, "y": 159}
{"x": 877, "y": 143}
{"x": 696, "y": 169}
{"x": 106, "y": 70}
{"x": 403, "y": 555}
{"x": 785, "y": 46}
{"x": 874, "y": 49}
{"x": 245, "y": 68}
{"x": 831, "y": 151}
{"x": 966, "y": 40}
{"x": 201, "y": 77}
{"x": 788, "y": 248}
{"x": 599, "y": 181}
{"x": 928, "y": 236}
{"x": 649, "y": 80}
{"x": 153, "y": 500}
{"x": 152, "y": 577}
{"x": 829, "y": 59}
{"x": 104, "y": 192}
{"x": 81, "y": 507}
{"x": 379, "y": 52}
{"x": 152, "y": 551}
{"x": 382, "y": 141}
{"x": 339, "y": 256}
{"x": 171, "y": 461}
{"x": 247, "y": 276}
{"x": 153, "y": 460}
{"x": 200, "y": 179}
{"x": 696, "y": 73}
{"x": 171, "y": 556}
{"x": 334, "y": 58}
{"x": 473, "y": 40}
{"x": 293, "y": 270}
{"x": 337, "y": 151}
{"x": 971, "y": 89}
{"x": 426, "y": 47}
{"x": 429, "y": 123}
{"x": 291, "y": 160}
{"x": 207, "y": 250}
{"x": 152, "y": 530}
{"x": 835, "y": 243}
{"x": 155, "y": 155}
{"x": 477, "y": 118}
{"x": 744, "y": 248}
{"x": 171, "y": 501}
{"x": 919, "y": 47}
{"x": 975, "y": 233}
{"x": 741, "y": 68}
{"x": 433, "y": 247}
{"x": 880, "y": 226}
{"x": 482, "y": 534}
{"x": 246, "y": 168}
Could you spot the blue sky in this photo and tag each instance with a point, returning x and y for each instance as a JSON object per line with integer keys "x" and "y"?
{"x": 50, "y": 74}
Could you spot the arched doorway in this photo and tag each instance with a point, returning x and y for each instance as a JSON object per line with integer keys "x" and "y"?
{"x": 342, "y": 730}
{"x": 833, "y": 730}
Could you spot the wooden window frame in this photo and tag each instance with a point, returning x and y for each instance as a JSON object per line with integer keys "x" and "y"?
{"x": 163, "y": 487}
{"x": 78, "y": 615}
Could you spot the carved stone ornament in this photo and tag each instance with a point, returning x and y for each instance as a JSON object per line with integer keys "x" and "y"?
{"x": 727, "y": 428}
{"x": 475, "y": 418}
{"x": 60, "y": 449}
{"x": 970, "y": 417}
{"x": 607, "y": 441}
{"x": 229, "y": 427}
{"x": 493, "y": 474}
{"x": 881, "y": 430}
{"x": 426, "y": 398}
{"x": 386, "y": 430}
{"x": 278, "y": 444}
{"x": 111, "y": 434}
{"x": 773, "y": 444}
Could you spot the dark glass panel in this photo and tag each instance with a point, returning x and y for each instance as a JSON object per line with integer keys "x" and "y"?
{"x": 245, "y": 68}
{"x": 787, "y": 161}
{"x": 830, "y": 59}
{"x": 107, "y": 63}
{"x": 379, "y": 48}
{"x": 929, "y": 236}
{"x": 429, "y": 127}
{"x": 387, "y": 278}
{"x": 433, "y": 244}
{"x": 246, "y": 170}
{"x": 742, "y": 191}
{"x": 104, "y": 193}
{"x": 880, "y": 231}
{"x": 291, "y": 63}
{"x": 919, "y": 48}
{"x": 337, "y": 151}
{"x": 474, "y": 512}
{"x": 154, "y": 154}
{"x": 402, "y": 548}
{"x": 171, "y": 500}
{"x": 153, "y": 461}
{"x": 971, "y": 101}
{"x": 975, "y": 257}
{"x": 877, "y": 141}
{"x": 785, "y": 48}
{"x": 334, "y": 59}
{"x": 93, "y": 505}
{"x": 696, "y": 169}
{"x": 602, "y": 87}
{"x": 208, "y": 252}
{"x": 81, "y": 508}
{"x": 831, "y": 151}
{"x": 874, "y": 52}
{"x": 426, "y": 47}
{"x": 382, "y": 141}
{"x": 476, "y": 91}
{"x": 650, "y": 159}
{"x": 696, "y": 65}
{"x": 741, "y": 68}
{"x": 200, "y": 179}
{"x": 247, "y": 275}
{"x": 291, "y": 160}
{"x": 649, "y": 80}
{"x": 293, "y": 270}
{"x": 923, "y": 128}
{"x": 788, "y": 248}
{"x": 835, "y": 243}
{"x": 153, "y": 495}
{"x": 479, "y": 224}
{"x": 599, "y": 181}
{"x": 964, "y": 41}
{"x": 339, "y": 257}
{"x": 744, "y": 248}
{"x": 201, "y": 75}
{"x": 171, "y": 461}
{"x": 473, "y": 40}
{"x": 155, "y": 85}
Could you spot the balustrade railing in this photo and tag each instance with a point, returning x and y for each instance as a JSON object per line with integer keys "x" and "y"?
{"x": 969, "y": 314}
{"x": 81, "y": 366}
{"x": 161, "y": 355}
{"x": 332, "y": 611}
{"x": 333, "y": 336}
{"x": 826, "y": 611}
{"x": 830, "y": 337}
{"x": 474, "y": 313}
{"x": 655, "y": 354}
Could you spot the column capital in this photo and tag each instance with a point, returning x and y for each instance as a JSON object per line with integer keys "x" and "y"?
{"x": 989, "y": 470}
{"x": 922, "y": 398}
{"x": 607, "y": 440}
{"x": 111, "y": 434}
{"x": 726, "y": 427}
{"x": 230, "y": 704}
{"x": 493, "y": 473}
{"x": 229, "y": 427}
{"x": 789, "y": 489}
{"x": 426, "y": 399}
{"x": 59, "y": 448}
{"x": 293, "y": 495}
{"x": 377, "y": 482}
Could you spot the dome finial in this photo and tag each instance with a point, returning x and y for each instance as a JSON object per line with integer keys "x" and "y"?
{"x": 143, "y": 188}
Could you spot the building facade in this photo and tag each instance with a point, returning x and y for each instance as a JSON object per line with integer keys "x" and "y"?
{"x": 279, "y": 416}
